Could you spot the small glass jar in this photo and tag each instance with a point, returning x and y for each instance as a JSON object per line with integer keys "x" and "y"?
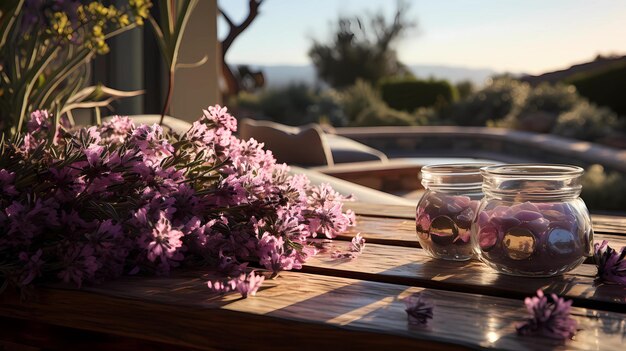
{"x": 444, "y": 214}
{"x": 532, "y": 221}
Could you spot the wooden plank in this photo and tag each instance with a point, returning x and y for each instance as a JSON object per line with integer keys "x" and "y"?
{"x": 401, "y": 232}
{"x": 301, "y": 311}
{"x": 601, "y": 223}
{"x": 412, "y": 266}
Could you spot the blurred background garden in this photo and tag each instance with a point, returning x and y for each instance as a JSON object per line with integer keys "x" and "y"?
{"x": 398, "y": 83}
{"x": 556, "y": 68}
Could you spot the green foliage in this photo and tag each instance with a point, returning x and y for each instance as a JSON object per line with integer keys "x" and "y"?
{"x": 586, "y": 122}
{"x": 361, "y": 51}
{"x": 464, "y": 89}
{"x": 358, "y": 98}
{"x": 497, "y": 100}
{"x": 605, "y": 88}
{"x": 550, "y": 98}
{"x": 295, "y": 104}
{"x": 409, "y": 94}
{"x": 540, "y": 109}
{"x": 363, "y": 107}
{"x": 604, "y": 190}
{"x": 45, "y": 56}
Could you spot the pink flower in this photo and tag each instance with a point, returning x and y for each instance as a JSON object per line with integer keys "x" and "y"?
{"x": 150, "y": 140}
{"x": 249, "y": 284}
{"x": 220, "y": 116}
{"x": 357, "y": 244}
{"x": 117, "y": 129}
{"x": 163, "y": 241}
{"x": 550, "y": 318}
{"x": 222, "y": 286}
{"x": 40, "y": 121}
{"x": 329, "y": 219}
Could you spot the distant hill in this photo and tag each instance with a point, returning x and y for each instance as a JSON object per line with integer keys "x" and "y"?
{"x": 281, "y": 75}
{"x": 600, "y": 63}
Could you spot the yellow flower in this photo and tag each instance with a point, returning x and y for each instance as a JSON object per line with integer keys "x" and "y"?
{"x": 61, "y": 25}
{"x": 141, "y": 9}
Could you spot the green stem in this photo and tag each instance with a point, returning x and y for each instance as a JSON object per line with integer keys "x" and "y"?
{"x": 29, "y": 88}
{"x": 168, "y": 98}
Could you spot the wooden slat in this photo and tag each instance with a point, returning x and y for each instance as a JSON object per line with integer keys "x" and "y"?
{"x": 412, "y": 266}
{"x": 601, "y": 223}
{"x": 301, "y": 311}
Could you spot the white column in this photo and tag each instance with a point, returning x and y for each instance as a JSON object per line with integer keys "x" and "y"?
{"x": 196, "y": 88}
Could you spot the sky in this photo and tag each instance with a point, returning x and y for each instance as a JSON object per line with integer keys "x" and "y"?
{"x": 529, "y": 36}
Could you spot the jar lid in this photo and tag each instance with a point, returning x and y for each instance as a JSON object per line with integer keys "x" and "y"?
{"x": 453, "y": 176}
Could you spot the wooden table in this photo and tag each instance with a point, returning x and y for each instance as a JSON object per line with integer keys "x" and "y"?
{"x": 330, "y": 304}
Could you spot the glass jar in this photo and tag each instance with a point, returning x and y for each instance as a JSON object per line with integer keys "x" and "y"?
{"x": 445, "y": 212}
{"x": 532, "y": 221}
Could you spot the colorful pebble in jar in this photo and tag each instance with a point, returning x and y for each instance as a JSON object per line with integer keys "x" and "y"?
{"x": 445, "y": 212}
{"x": 531, "y": 221}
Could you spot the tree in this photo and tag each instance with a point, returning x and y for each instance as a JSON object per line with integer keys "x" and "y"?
{"x": 360, "y": 52}
{"x": 234, "y": 30}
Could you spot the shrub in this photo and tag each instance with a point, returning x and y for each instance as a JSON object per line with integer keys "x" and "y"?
{"x": 408, "y": 94}
{"x": 295, "y": 104}
{"x": 464, "y": 89}
{"x": 358, "y": 98}
{"x": 382, "y": 115}
{"x": 497, "y": 100}
{"x": 605, "y": 88}
{"x": 603, "y": 190}
{"x": 539, "y": 111}
{"x": 586, "y": 122}
{"x": 327, "y": 109}
{"x": 287, "y": 105}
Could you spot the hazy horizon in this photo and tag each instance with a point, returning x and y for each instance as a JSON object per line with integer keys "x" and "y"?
{"x": 530, "y": 36}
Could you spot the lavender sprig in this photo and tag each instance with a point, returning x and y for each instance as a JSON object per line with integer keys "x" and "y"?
{"x": 355, "y": 248}
{"x": 357, "y": 244}
{"x": 548, "y": 317}
{"x": 418, "y": 309}
{"x": 611, "y": 263}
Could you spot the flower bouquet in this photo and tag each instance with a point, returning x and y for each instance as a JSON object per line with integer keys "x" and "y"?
{"x": 95, "y": 203}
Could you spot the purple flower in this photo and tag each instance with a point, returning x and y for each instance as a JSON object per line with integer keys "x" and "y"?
{"x": 357, "y": 244}
{"x": 548, "y": 317}
{"x": 249, "y": 284}
{"x": 150, "y": 140}
{"x": 272, "y": 254}
{"x": 162, "y": 241}
{"x": 7, "y": 183}
{"x": 329, "y": 219}
{"x": 611, "y": 263}
{"x": 31, "y": 267}
{"x": 119, "y": 198}
{"x": 40, "y": 121}
{"x": 117, "y": 129}
{"x": 418, "y": 309}
{"x": 228, "y": 265}
{"x": 79, "y": 264}
{"x": 220, "y": 116}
